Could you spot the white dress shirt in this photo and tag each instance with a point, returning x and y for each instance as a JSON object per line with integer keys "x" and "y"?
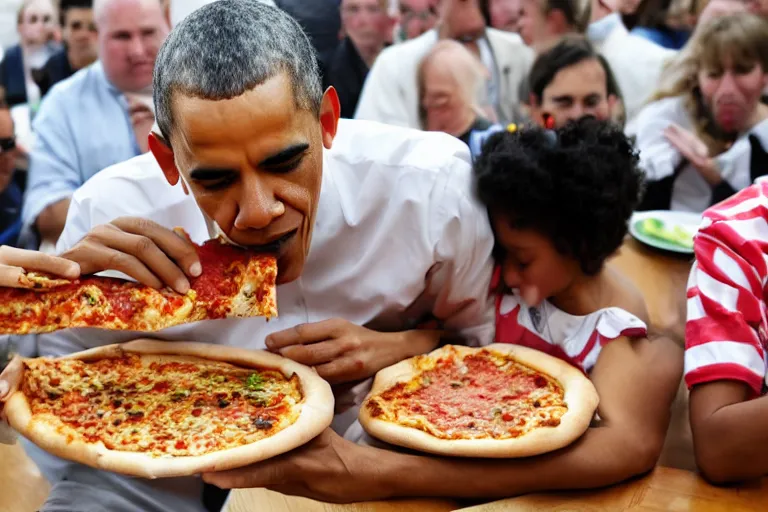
{"x": 636, "y": 62}
{"x": 391, "y": 90}
{"x": 398, "y": 235}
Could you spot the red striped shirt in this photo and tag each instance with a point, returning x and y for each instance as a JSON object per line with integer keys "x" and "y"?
{"x": 725, "y": 335}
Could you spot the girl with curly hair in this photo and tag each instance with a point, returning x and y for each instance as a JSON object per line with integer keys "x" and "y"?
{"x": 559, "y": 202}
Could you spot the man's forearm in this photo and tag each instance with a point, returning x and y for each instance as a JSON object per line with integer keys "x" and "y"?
{"x": 732, "y": 444}
{"x": 50, "y": 222}
{"x": 603, "y": 456}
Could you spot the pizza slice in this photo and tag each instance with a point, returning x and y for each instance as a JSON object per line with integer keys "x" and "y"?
{"x": 235, "y": 282}
{"x": 162, "y": 409}
{"x": 499, "y": 401}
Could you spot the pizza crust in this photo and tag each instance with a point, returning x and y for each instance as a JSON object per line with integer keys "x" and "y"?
{"x": 580, "y": 396}
{"x": 315, "y": 415}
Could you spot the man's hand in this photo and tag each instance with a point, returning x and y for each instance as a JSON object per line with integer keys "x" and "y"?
{"x": 343, "y": 352}
{"x": 328, "y": 468}
{"x": 14, "y": 263}
{"x": 146, "y": 251}
{"x": 695, "y": 152}
{"x": 50, "y": 222}
{"x": 10, "y": 378}
{"x": 142, "y": 119}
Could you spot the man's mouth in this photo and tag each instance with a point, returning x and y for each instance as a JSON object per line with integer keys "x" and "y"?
{"x": 275, "y": 246}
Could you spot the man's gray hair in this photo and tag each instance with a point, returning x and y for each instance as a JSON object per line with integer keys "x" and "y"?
{"x": 229, "y": 47}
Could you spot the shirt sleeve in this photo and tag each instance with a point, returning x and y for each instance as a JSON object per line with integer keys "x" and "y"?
{"x": 381, "y": 99}
{"x": 726, "y": 326}
{"x": 79, "y": 223}
{"x": 658, "y": 158}
{"x": 463, "y": 242}
{"x": 54, "y": 172}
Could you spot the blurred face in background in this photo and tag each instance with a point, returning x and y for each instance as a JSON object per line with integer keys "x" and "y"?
{"x": 130, "y": 35}
{"x": 80, "y": 35}
{"x": 37, "y": 23}
{"x": 449, "y": 81}
{"x": 575, "y": 91}
{"x": 462, "y": 21}
{"x": 417, "y": 16}
{"x": 365, "y": 22}
{"x": 759, "y": 7}
{"x": 532, "y": 23}
{"x": 731, "y": 91}
{"x": 505, "y": 14}
{"x": 628, "y": 6}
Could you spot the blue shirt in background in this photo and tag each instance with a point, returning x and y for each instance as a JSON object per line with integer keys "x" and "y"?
{"x": 667, "y": 38}
{"x": 10, "y": 213}
{"x": 83, "y": 126}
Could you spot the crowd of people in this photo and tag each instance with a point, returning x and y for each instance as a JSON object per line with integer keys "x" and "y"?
{"x": 429, "y": 170}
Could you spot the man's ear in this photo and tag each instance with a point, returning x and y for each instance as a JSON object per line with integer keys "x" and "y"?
{"x": 534, "y": 108}
{"x": 330, "y": 112}
{"x": 164, "y": 156}
{"x": 557, "y": 24}
{"x": 612, "y": 99}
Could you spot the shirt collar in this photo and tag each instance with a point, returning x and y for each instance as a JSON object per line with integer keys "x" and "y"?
{"x": 598, "y": 31}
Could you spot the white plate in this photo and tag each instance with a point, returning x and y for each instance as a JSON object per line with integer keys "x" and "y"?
{"x": 686, "y": 220}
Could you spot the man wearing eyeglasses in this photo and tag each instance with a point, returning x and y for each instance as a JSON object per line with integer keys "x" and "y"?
{"x": 416, "y": 17}
{"x": 10, "y": 184}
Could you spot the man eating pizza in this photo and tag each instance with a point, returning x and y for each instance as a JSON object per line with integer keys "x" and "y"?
{"x": 375, "y": 227}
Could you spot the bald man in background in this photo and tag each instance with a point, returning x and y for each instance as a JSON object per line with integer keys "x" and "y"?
{"x": 100, "y": 116}
{"x": 390, "y": 94}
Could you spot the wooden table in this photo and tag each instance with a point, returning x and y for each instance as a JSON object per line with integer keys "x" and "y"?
{"x": 665, "y": 489}
{"x": 249, "y": 500}
{"x": 661, "y": 278}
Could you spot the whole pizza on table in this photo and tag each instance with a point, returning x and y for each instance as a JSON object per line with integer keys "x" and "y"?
{"x": 152, "y": 408}
{"x": 499, "y": 401}
{"x": 234, "y": 282}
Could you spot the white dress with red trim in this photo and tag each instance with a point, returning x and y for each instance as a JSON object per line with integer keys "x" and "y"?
{"x": 575, "y": 339}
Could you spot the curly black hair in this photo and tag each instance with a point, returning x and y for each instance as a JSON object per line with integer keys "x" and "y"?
{"x": 578, "y": 185}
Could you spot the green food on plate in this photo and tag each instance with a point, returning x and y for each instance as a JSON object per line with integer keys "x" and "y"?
{"x": 676, "y": 235}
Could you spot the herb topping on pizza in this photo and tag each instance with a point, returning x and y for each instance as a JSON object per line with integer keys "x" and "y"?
{"x": 160, "y": 407}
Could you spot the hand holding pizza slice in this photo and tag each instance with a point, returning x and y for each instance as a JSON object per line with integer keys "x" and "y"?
{"x": 223, "y": 281}
{"x": 15, "y": 263}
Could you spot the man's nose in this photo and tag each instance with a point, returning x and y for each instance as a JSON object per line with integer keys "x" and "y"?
{"x": 136, "y": 47}
{"x": 258, "y": 206}
{"x": 577, "y": 112}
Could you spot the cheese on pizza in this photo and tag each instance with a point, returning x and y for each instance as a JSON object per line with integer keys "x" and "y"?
{"x": 161, "y": 406}
{"x": 482, "y": 395}
{"x": 234, "y": 283}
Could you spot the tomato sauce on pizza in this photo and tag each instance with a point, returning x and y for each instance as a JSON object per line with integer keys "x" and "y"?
{"x": 160, "y": 406}
{"x": 234, "y": 282}
{"x": 483, "y": 395}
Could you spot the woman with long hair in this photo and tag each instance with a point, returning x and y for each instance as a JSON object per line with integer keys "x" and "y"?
{"x": 693, "y": 136}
